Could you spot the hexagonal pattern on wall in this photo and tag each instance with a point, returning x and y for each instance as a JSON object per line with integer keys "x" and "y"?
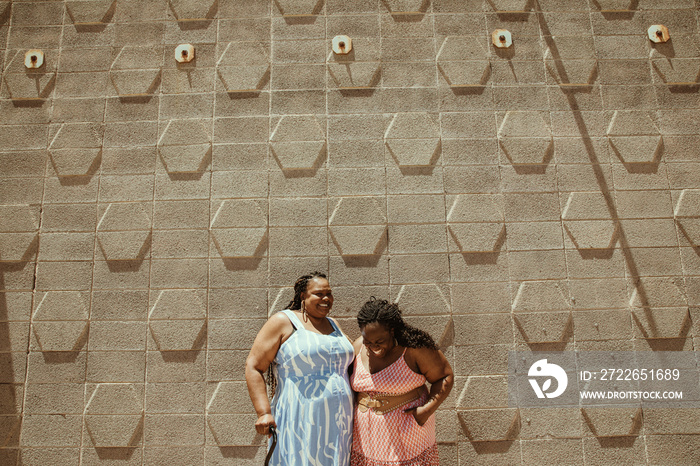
{"x": 178, "y": 335}
{"x": 32, "y": 85}
{"x": 397, "y": 7}
{"x": 545, "y": 295}
{"x": 177, "y": 320}
{"x": 415, "y": 296}
{"x": 239, "y": 227}
{"x": 662, "y": 323}
{"x": 525, "y": 137}
{"x": 193, "y": 10}
{"x": 179, "y": 304}
{"x": 89, "y": 12}
{"x": 123, "y": 231}
{"x": 476, "y": 208}
{"x": 544, "y": 327}
{"x": 413, "y": 139}
{"x": 634, "y": 137}
{"x": 613, "y": 422}
{"x": 299, "y": 7}
{"x": 19, "y": 227}
{"x": 614, "y": 5}
{"x": 687, "y": 214}
{"x": 298, "y": 142}
{"x": 677, "y": 71}
{"x": 463, "y": 61}
{"x": 355, "y": 75}
{"x": 135, "y": 71}
{"x": 61, "y": 320}
{"x": 184, "y": 146}
{"x": 244, "y": 66}
{"x": 29, "y": 84}
{"x": 476, "y": 237}
{"x": 510, "y": 6}
{"x": 75, "y": 147}
{"x": 357, "y": 225}
{"x": 490, "y": 425}
{"x": 588, "y": 222}
{"x": 114, "y": 415}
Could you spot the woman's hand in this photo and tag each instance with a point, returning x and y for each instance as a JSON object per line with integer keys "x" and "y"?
{"x": 420, "y": 414}
{"x": 262, "y": 425}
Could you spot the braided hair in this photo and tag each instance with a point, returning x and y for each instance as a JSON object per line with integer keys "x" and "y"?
{"x": 300, "y": 287}
{"x": 389, "y": 315}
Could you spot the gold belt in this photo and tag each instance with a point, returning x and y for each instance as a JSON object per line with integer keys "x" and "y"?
{"x": 382, "y": 404}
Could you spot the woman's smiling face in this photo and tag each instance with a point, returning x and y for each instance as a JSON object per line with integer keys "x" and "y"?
{"x": 378, "y": 339}
{"x": 318, "y": 297}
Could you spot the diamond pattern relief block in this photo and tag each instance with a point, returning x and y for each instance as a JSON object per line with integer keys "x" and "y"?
{"x": 60, "y": 321}
{"x": 114, "y": 415}
{"x": 136, "y": 71}
{"x": 487, "y": 425}
{"x": 588, "y": 222}
{"x": 75, "y": 147}
{"x": 298, "y": 142}
{"x": 678, "y": 71}
{"x": 224, "y": 411}
{"x": 193, "y": 10}
{"x": 634, "y": 137}
{"x": 525, "y": 137}
{"x": 413, "y": 139}
{"x": 123, "y": 231}
{"x": 184, "y": 146}
{"x": 687, "y": 214}
{"x": 476, "y": 237}
{"x": 89, "y": 12}
{"x": 18, "y": 231}
{"x": 355, "y": 75}
{"x": 299, "y": 7}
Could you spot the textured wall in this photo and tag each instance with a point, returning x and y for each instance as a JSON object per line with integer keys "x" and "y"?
{"x": 545, "y": 196}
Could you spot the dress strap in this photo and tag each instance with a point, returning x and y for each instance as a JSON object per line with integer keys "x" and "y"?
{"x": 293, "y": 318}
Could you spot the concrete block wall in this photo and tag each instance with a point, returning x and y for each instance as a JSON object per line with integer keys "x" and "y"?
{"x": 153, "y": 213}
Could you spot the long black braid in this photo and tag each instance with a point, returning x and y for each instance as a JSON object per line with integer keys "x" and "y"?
{"x": 300, "y": 287}
{"x": 389, "y": 315}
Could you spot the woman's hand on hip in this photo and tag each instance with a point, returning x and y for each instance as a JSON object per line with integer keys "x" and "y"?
{"x": 420, "y": 414}
{"x": 262, "y": 425}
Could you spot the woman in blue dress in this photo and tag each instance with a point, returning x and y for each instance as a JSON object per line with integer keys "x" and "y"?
{"x": 309, "y": 355}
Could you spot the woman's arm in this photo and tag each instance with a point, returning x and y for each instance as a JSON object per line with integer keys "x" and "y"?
{"x": 268, "y": 341}
{"x": 434, "y": 366}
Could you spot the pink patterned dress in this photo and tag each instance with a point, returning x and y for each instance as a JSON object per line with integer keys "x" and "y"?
{"x": 394, "y": 438}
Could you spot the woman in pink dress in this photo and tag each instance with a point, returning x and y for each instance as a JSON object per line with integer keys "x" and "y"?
{"x": 394, "y": 411}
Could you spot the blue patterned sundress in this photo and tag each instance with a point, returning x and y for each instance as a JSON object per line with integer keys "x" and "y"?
{"x": 313, "y": 402}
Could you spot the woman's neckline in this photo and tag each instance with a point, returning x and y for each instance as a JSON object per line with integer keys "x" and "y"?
{"x": 401, "y": 357}
{"x": 303, "y": 327}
